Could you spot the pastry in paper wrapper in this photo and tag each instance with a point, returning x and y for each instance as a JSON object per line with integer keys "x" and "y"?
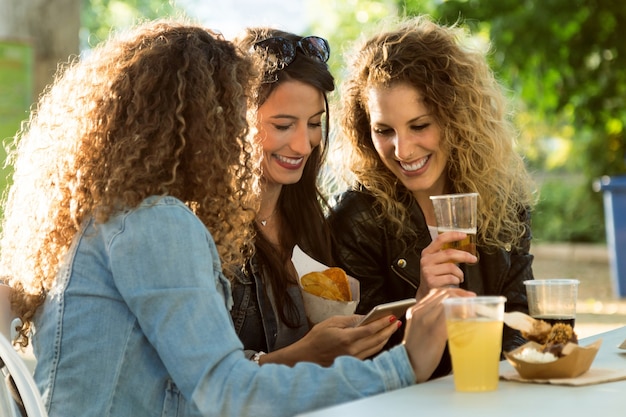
{"x": 576, "y": 360}
{"x": 552, "y": 352}
{"x": 319, "y": 308}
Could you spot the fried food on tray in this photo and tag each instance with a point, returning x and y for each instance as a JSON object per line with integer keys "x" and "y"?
{"x": 553, "y": 338}
{"x": 331, "y": 284}
{"x": 560, "y": 335}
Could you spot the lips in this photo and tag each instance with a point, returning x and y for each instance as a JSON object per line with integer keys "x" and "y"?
{"x": 287, "y": 162}
{"x": 415, "y": 165}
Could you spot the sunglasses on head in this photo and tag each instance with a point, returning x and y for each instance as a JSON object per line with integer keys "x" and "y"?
{"x": 281, "y": 51}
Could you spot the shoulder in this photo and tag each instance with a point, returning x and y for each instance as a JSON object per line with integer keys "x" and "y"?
{"x": 352, "y": 202}
{"x": 159, "y": 218}
{"x": 354, "y": 217}
{"x": 164, "y": 211}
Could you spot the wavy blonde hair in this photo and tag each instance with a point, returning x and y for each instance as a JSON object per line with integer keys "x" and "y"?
{"x": 468, "y": 103}
{"x": 157, "y": 110}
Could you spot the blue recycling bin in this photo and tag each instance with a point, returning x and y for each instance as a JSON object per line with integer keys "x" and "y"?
{"x": 614, "y": 195}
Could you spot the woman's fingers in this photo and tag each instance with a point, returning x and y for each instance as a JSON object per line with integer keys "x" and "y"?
{"x": 449, "y": 255}
{"x": 439, "y": 267}
{"x": 379, "y": 333}
{"x": 426, "y": 334}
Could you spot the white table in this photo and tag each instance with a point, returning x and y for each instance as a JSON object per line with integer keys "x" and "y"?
{"x": 438, "y": 397}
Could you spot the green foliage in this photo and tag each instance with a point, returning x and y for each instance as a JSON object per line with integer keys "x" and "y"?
{"x": 16, "y": 91}
{"x": 98, "y": 17}
{"x": 343, "y": 22}
{"x": 568, "y": 211}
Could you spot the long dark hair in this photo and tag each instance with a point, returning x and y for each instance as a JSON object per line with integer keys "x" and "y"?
{"x": 301, "y": 206}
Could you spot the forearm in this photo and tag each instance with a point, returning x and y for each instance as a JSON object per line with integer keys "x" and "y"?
{"x": 289, "y": 355}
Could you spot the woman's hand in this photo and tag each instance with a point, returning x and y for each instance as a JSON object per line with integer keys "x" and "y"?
{"x": 439, "y": 267}
{"x": 425, "y": 335}
{"x": 334, "y": 337}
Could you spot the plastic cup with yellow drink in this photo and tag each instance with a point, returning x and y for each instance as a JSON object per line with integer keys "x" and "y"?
{"x": 474, "y": 327}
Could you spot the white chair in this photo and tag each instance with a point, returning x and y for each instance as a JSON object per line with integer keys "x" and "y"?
{"x": 19, "y": 396}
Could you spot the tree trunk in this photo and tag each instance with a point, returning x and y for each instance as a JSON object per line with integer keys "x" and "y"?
{"x": 50, "y": 26}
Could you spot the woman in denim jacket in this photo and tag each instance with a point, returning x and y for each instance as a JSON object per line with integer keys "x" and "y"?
{"x": 128, "y": 212}
{"x": 289, "y": 110}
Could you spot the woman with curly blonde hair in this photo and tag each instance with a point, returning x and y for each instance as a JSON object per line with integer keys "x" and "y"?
{"x": 128, "y": 212}
{"x": 423, "y": 115}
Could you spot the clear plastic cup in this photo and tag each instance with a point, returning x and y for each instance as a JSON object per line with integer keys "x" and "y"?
{"x": 474, "y": 327}
{"x": 553, "y": 300}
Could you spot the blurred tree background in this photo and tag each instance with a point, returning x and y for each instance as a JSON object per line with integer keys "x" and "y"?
{"x": 563, "y": 62}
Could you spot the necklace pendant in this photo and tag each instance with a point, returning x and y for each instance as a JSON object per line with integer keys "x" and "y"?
{"x": 263, "y": 223}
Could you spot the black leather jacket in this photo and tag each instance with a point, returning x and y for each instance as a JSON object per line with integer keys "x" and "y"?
{"x": 388, "y": 268}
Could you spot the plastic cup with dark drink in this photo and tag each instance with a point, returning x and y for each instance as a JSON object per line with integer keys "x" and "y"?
{"x": 553, "y": 300}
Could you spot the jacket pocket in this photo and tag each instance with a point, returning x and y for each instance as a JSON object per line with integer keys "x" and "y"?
{"x": 173, "y": 403}
{"x": 407, "y": 269}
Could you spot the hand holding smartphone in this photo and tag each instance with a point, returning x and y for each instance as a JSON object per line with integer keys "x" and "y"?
{"x": 397, "y": 308}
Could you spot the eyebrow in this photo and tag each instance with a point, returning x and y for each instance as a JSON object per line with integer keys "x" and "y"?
{"x": 292, "y": 117}
{"x": 413, "y": 120}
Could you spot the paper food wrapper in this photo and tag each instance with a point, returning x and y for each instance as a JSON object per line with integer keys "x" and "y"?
{"x": 318, "y": 308}
{"x": 591, "y": 377}
{"x": 577, "y": 361}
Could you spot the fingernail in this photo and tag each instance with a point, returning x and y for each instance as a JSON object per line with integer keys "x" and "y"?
{"x": 392, "y": 319}
{"x": 399, "y": 324}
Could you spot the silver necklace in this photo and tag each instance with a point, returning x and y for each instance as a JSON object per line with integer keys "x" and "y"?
{"x": 264, "y": 221}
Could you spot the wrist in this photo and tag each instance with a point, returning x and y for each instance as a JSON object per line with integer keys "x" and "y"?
{"x": 257, "y": 357}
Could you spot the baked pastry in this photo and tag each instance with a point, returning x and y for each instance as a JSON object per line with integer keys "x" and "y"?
{"x": 560, "y": 335}
{"x": 331, "y": 284}
{"x": 552, "y": 338}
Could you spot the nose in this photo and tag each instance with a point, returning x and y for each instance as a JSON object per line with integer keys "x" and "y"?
{"x": 301, "y": 141}
{"x": 403, "y": 147}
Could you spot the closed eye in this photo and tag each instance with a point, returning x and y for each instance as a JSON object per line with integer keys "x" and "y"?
{"x": 420, "y": 127}
{"x": 382, "y": 131}
{"x": 282, "y": 127}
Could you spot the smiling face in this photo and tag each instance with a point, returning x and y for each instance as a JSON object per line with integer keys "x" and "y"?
{"x": 289, "y": 128}
{"x": 407, "y": 138}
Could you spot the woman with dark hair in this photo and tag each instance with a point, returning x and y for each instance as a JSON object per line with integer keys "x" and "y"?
{"x": 289, "y": 112}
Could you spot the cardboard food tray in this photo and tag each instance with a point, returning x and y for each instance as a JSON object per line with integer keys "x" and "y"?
{"x": 576, "y": 361}
{"x": 318, "y": 308}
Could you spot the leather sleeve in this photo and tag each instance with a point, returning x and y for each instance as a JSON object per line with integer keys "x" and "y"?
{"x": 358, "y": 244}
{"x": 511, "y": 283}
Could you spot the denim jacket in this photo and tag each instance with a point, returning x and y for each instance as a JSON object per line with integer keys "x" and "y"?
{"x": 255, "y": 314}
{"x": 138, "y": 324}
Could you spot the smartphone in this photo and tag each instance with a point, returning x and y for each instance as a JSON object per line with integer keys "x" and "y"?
{"x": 397, "y": 308}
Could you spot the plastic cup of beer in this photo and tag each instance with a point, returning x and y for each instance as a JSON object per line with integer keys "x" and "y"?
{"x": 457, "y": 212}
{"x": 474, "y": 327}
{"x": 553, "y": 300}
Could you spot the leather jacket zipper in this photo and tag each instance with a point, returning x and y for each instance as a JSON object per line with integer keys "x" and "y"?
{"x": 402, "y": 277}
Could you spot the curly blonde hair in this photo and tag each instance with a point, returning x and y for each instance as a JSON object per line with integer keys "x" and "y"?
{"x": 157, "y": 110}
{"x": 468, "y": 103}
